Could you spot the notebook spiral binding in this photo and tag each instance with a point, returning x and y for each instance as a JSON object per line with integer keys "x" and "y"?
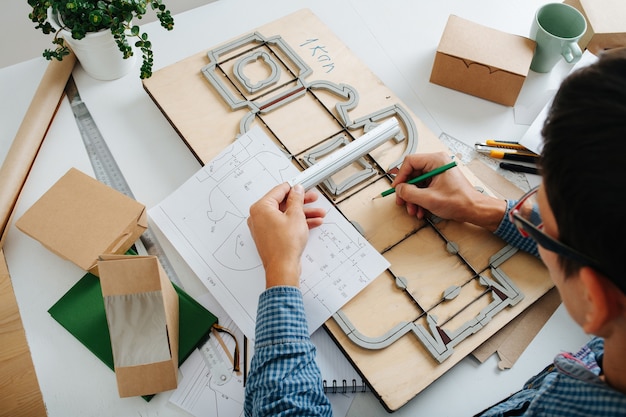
{"x": 344, "y": 387}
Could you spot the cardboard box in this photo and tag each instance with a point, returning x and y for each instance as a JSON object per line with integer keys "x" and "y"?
{"x": 482, "y": 61}
{"x": 79, "y": 219}
{"x": 141, "y": 306}
{"x": 606, "y": 24}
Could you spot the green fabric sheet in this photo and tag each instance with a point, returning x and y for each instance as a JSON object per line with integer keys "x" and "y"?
{"x": 81, "y": 312}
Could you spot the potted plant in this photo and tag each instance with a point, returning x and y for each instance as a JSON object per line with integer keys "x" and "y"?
{"x": 77, "y": 20}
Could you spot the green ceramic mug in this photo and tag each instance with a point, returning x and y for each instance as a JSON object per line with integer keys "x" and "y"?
{"x": 556, "y": 29}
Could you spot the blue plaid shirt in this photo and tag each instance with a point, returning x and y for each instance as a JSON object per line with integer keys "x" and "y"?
{"x": 570, "y": 387}
{"x": 284, "y": 379}
{"x": 508, "y": 232}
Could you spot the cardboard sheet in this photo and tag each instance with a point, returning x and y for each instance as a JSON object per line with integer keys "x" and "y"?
{"x": 329, "y": 93}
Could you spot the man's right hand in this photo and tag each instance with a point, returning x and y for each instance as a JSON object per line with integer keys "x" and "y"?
{"x": 448, "y": 195}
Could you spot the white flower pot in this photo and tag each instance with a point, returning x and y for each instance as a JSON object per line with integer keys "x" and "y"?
{"x": 97, "y": 53}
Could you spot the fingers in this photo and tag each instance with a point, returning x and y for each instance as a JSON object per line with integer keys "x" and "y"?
{"x": 267, "y": 204}
{"x": 278, "y": 193}
{"x": 310, "y": 196}
{"x": 314, "y": 222}
{"x": 295, "y": 204}
{"x": 288, "y": 200}
{"x": 417, "y": 164}
{"x": 408, "y": 195}
{"x": 314, "y": 216}
{"x": 295, "y": 199}
{"x": 411, "y": 193}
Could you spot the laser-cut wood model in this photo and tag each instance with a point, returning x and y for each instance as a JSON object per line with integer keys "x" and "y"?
{"x": 450, "y": 285}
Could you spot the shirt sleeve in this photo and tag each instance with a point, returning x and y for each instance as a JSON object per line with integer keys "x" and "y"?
{"x": 284, "y": 379}
{"x": 509, "y": 233}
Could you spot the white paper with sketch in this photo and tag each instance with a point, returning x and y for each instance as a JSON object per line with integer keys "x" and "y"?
{"x": 205, "y": 220}
{"x": 200, "y": 394}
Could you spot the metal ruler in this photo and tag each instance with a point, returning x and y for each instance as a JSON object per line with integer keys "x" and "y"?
{"x": 217, "y": 366}
{"x": 108, "y": 172}
{"x": 346, "y": 155}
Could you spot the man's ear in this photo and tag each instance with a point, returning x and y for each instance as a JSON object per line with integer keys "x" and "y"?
{"x": 602, "y": 298}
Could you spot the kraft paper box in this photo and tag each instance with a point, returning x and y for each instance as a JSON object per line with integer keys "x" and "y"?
{"x": 141, "y": 308}
{"x": 482, "y": 61}
{"x": 79, "y": 219}
{"x": 606, "y": 24}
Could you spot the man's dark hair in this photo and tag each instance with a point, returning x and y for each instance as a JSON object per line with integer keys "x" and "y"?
{"x": 583, "y": 163}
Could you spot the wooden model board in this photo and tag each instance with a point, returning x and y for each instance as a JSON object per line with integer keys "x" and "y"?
{"x": 297, "y": 81}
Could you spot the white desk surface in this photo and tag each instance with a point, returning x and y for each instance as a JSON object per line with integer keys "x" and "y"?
{"x": 397, "y": 39}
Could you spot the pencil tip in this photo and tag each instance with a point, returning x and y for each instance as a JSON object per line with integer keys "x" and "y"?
{"x": 378, "y": 196}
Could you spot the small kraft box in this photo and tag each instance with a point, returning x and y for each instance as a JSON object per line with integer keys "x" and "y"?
{"x": 606, "y": 24}
{"x": 482, "y": 61}
{"x": 79, "y": 219}
{"x": 141, "y": 308}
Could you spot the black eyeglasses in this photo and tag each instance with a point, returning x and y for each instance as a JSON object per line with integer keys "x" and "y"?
{"x": 525, "y": 216}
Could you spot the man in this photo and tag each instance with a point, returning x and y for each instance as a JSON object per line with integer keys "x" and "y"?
{"x": 284, "y": 379}
{"x": 575, "y": 217}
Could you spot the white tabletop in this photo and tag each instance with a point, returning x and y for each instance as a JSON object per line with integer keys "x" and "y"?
{"x": 396, "y": 39}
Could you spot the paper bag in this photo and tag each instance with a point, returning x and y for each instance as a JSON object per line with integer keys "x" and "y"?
{"x": 142, "y": 315}
{"x": 79, "y": 218}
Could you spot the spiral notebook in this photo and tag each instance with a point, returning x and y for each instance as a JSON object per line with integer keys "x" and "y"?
{"x": 338, "y": 374}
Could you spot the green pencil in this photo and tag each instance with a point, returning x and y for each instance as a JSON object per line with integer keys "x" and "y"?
{"x": 421, "y": 178}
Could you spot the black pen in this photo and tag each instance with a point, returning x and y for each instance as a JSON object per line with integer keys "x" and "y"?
{"x": 519, "y": 168}
{"x": 519, "y": 157}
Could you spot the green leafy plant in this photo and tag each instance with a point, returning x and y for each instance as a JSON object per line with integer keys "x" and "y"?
{"x": 84, "y": 16}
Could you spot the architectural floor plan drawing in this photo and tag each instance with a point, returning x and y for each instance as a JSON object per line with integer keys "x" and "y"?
{"x": 205, "y": 219}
